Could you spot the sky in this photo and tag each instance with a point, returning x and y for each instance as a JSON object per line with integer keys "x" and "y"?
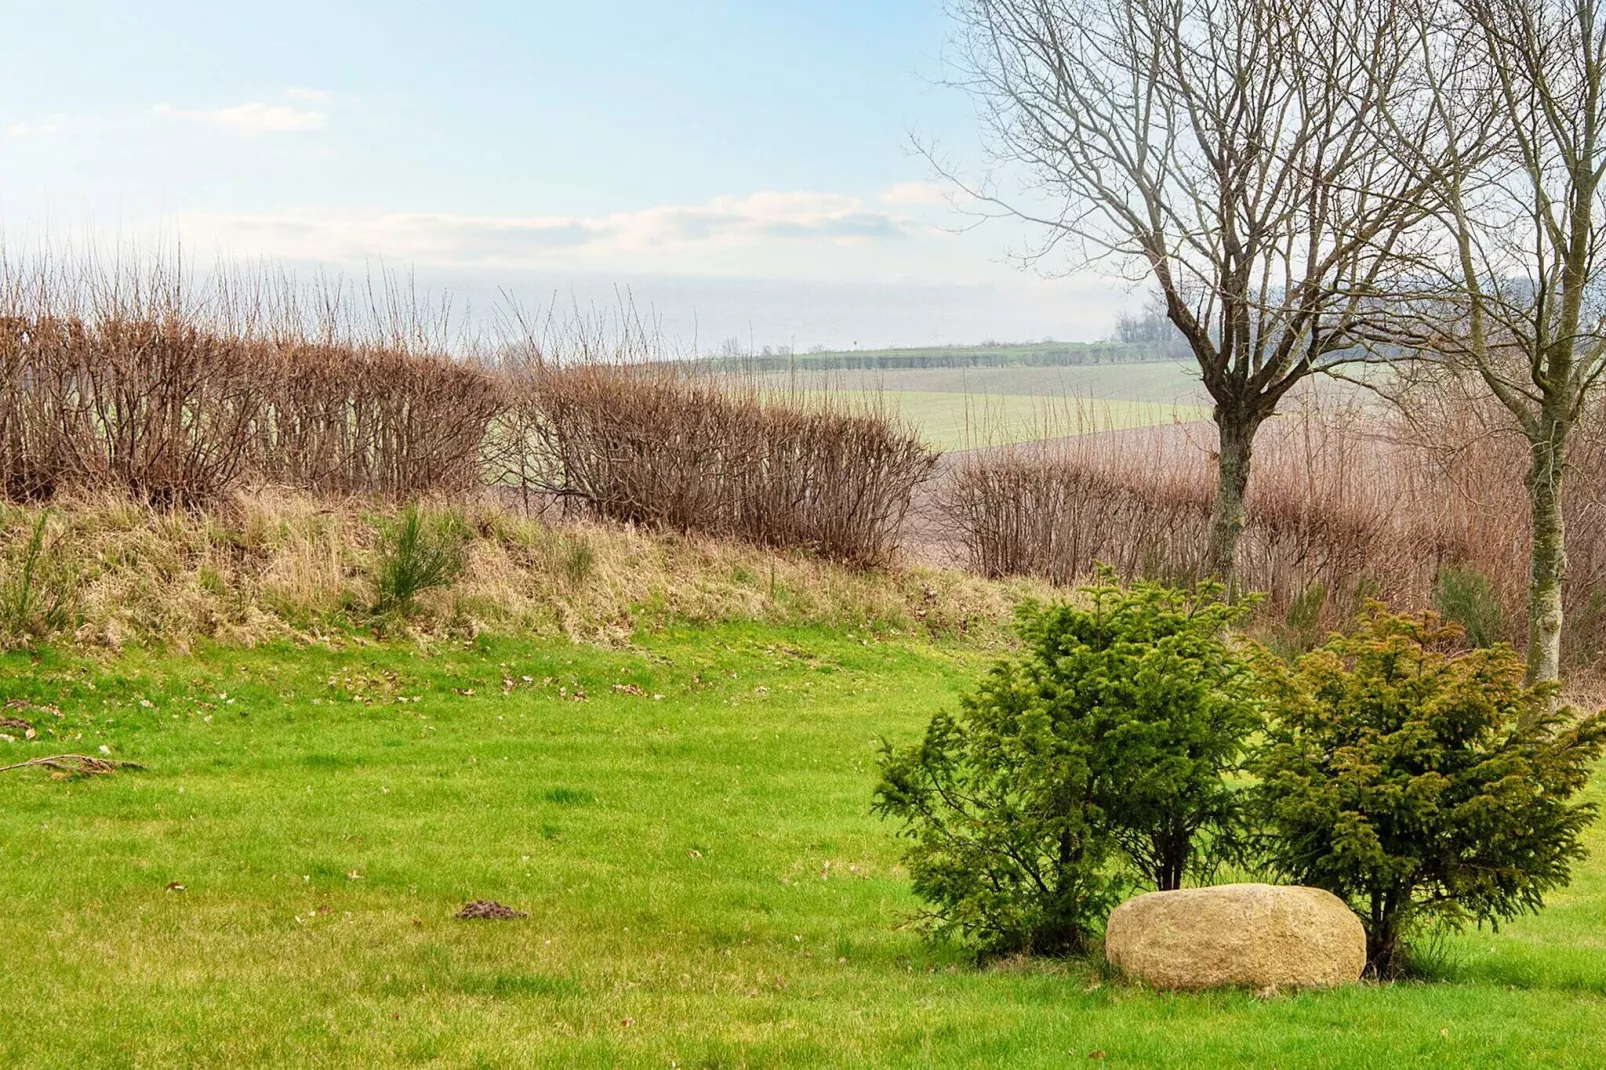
{"x": 739, "y": 169}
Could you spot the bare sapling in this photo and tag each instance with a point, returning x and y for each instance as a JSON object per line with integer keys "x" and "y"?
{"x": 1513, "y": 302}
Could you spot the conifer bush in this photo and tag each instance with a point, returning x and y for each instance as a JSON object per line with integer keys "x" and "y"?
{"x": 1421, "y": 783}
{"x": 1091, "y": 763}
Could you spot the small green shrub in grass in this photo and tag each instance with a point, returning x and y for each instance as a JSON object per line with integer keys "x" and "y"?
{"x": 1301, "y": 628}
{"x": 36, "y": 596}
{"x": 579, "y": 560}
{"x": 1092, "y": 762}
{"x": 1466, "y": 597}
{"x": 418, "y": 553}
{"x": 1421, "y": 785}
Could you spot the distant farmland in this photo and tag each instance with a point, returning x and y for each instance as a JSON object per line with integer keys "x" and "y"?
{"x": 965, "y": 397}
{"x": 957, "y": 421}
{"x": 1028, "y": 354}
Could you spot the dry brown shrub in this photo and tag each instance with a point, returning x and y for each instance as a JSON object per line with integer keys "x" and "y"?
{"x": 140, "y": 380}
{"x": 657, "y": 445}
{"x": 349, "y": 419}
{"x": 157, "y": 407}
{"x": 1476, "y": 461}
{"x": 1056, "y": 508}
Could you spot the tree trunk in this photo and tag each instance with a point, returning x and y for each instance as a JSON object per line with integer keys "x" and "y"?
{"x": 1172, "y": 847}
{"x": 1383, "y": 958}
{"x": 1548, "y": 556}
{"x": 1385, "y": 926}
{"x": 1237, "y": 438}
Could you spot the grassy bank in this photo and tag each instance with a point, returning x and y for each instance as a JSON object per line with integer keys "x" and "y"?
{"x": 704, "y": 883}
{"x": 269, "y": 566}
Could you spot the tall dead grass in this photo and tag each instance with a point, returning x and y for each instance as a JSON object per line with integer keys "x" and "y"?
{"x": 1348, "y": 501}
{"x": 289, "y": 566}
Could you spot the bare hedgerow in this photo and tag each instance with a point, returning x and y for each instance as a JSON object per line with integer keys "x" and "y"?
{"x": 655, "y": 445}
{"x": 352, "y": 419}
{"x": 159, "y": 408}
{"x": 1056, "y": 509}
{"x": 139, "y": 380}
{"x": 1334, "y": 508}
{"x": 1348, "y": 503}
{"x": 116, "y": 377}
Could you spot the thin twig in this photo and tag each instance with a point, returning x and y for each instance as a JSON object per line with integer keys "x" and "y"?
{"x": 74, "y": 763}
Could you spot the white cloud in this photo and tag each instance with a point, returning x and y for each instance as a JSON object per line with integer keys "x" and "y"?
{"x": 32, "y": 129}
{"x": 769, "y": 219}
{"x": 917, "y": 194}
{"x": 760, "y": 216}
{"x": 252, "y": 118}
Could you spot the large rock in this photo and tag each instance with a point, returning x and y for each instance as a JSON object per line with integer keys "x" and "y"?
{"x": 1258, "y": 936}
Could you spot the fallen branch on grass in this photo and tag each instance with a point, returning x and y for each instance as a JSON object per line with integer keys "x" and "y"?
{"x": 74, "y": 763}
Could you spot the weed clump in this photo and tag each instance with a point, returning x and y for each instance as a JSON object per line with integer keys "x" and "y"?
{"x": 1464, "y": 596}
{"x": 36, "y": 597}
{"x": 418, "y": 553}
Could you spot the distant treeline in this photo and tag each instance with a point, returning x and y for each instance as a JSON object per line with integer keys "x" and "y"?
{"x": 1037, "y": 355}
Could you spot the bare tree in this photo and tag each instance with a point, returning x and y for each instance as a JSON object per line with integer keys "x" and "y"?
{"x": 1227, "y": 150}
{"x": 1517, "y": 305}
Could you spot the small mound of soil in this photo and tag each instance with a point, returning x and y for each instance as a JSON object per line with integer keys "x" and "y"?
{"x": 488, "y": 908}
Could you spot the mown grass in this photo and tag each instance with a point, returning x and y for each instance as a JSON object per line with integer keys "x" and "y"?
{"x": 705, "y": 884}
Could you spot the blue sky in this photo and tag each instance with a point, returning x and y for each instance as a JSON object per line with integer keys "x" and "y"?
{"x": 742, "y": 168}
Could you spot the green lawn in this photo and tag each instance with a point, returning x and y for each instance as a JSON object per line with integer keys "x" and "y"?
{"x": 706, "y": 887}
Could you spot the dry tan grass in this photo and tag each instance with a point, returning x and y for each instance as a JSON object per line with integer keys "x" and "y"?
{"x": 274, "y": 564}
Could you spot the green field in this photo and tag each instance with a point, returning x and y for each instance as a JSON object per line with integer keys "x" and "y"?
{"x": 985, "y": 355}
{"x": 1158, "y": 382}
{"x": 704, "y": 882}
{"x": 967, "y": 421}
{"x": 963, "y": 408}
